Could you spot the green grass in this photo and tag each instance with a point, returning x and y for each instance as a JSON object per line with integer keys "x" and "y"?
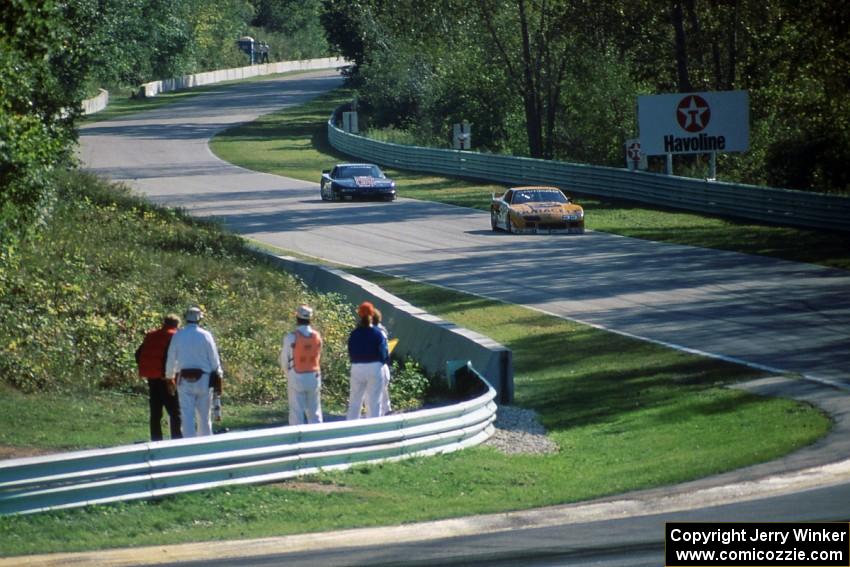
{"x": 293, "y": 143}
{"x": 626, "y": 415}
{"x": 52, "y": 422}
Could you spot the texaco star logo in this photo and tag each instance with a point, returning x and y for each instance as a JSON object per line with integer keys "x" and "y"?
{"x": 693, "y": 113}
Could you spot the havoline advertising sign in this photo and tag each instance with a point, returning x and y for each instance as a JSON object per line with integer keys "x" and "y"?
{"x": 689, "y": 123}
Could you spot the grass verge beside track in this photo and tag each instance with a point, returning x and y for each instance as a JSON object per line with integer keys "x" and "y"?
{"x": 293, "y": 143}
{"x": 626, "y": 415}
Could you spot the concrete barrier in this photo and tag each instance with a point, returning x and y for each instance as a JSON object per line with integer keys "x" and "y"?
{"x": 154, "y": 88}
{"x": 428, "y": 339}
{"x": 97, "y": 103}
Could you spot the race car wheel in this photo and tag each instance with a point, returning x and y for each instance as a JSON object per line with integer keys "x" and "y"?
{"x": 493, "y": 226}
{"x": 509, "y": 226}
{"x": 323, "y": 194}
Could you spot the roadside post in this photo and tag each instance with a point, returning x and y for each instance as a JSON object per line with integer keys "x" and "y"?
{"x": 462, "y": 136}
{"x": 635, "y": 157}
{"x": 349, "y": 122}
{"x": 349, "y": 119}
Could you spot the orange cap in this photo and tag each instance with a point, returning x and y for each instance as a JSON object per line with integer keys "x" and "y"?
{"x": 365, "y": 309}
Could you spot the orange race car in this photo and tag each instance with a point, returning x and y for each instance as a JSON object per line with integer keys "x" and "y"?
{"x": 536, "y": 210}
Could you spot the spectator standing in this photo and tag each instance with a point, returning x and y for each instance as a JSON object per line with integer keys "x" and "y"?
{"x": 300, "y": 360}
{"x": 385, "y": 369}
{"x": 368, "y": 352}
{"x": 192, "y": 357}
{"x": 162, "y": 393}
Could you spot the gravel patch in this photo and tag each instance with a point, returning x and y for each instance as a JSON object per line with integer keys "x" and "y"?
{"x": 518, "y": 431}
{"x": 10, "y": 452}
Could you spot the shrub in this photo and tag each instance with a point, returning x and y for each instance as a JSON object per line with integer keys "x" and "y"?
{"x": 81, "y": 295}
{"x": 408, "y": 385}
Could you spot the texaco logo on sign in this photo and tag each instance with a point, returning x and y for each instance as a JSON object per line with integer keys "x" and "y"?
{"x": 693, "y": 113}
{"x": 690, "y": 123}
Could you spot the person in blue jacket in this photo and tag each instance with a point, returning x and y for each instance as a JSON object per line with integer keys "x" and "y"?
{"x": 368, "y": 352}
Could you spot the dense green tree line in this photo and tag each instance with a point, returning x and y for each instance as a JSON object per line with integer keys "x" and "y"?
{"x": 560, "y": 78}
{"x": 54, "y": 54}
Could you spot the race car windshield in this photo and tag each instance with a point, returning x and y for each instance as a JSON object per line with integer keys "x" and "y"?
{"x": 539, "y": 197}
{"x": 359, "y": 171}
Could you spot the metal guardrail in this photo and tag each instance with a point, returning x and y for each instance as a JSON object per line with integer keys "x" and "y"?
{"x": 764, "y": 204}
{"x": 161, "y": 468}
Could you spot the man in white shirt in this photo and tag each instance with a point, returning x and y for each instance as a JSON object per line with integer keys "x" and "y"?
{"x": 192, "y": 357}
{"x": 300, "y": 358}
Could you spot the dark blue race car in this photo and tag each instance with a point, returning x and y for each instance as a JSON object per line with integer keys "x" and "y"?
{"x": 349, "y": 181}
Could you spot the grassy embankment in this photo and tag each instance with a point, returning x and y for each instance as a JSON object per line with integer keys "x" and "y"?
{"x": 626, "y": 415}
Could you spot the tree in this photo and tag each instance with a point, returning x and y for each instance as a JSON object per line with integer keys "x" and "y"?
{"x": 43, "y": 65}
{"x": 287, "y": 16}
{"x": 344, "y": 28}
{"x": 533, "y": 46}
{"x": 213, "y": 27}
{"x": 559, "y": 78}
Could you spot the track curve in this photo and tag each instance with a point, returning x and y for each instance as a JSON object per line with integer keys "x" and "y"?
{"x": 784, "y": 316}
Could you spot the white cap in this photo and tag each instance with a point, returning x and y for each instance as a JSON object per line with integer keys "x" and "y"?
{"x": 304, "y": 312}
{"x": 193, "y": 315}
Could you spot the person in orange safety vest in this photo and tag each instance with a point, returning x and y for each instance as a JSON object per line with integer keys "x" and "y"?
{"x": 150, "y": 358}
{"x": 300, "y": 359}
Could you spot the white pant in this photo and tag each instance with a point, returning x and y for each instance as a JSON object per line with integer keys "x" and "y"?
{"x": 366, "y": 383}
{"x": 303, "y": 390}
{"x": 195, "y": 400}
{"x": 385, "y": 389}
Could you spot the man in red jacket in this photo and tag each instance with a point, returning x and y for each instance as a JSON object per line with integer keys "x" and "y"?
{"x": 150, "y": 357}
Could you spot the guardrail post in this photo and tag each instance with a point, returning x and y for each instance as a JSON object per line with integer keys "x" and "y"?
{"x": 506, "y": 373}
{"x": 463, "y": 380}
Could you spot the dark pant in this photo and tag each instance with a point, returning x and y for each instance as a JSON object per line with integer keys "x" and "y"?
{"x": 160, "y": 398}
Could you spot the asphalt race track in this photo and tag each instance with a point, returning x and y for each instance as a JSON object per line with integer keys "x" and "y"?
{"x": 782, "y": 315}
{"x": 785, "y": 316}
